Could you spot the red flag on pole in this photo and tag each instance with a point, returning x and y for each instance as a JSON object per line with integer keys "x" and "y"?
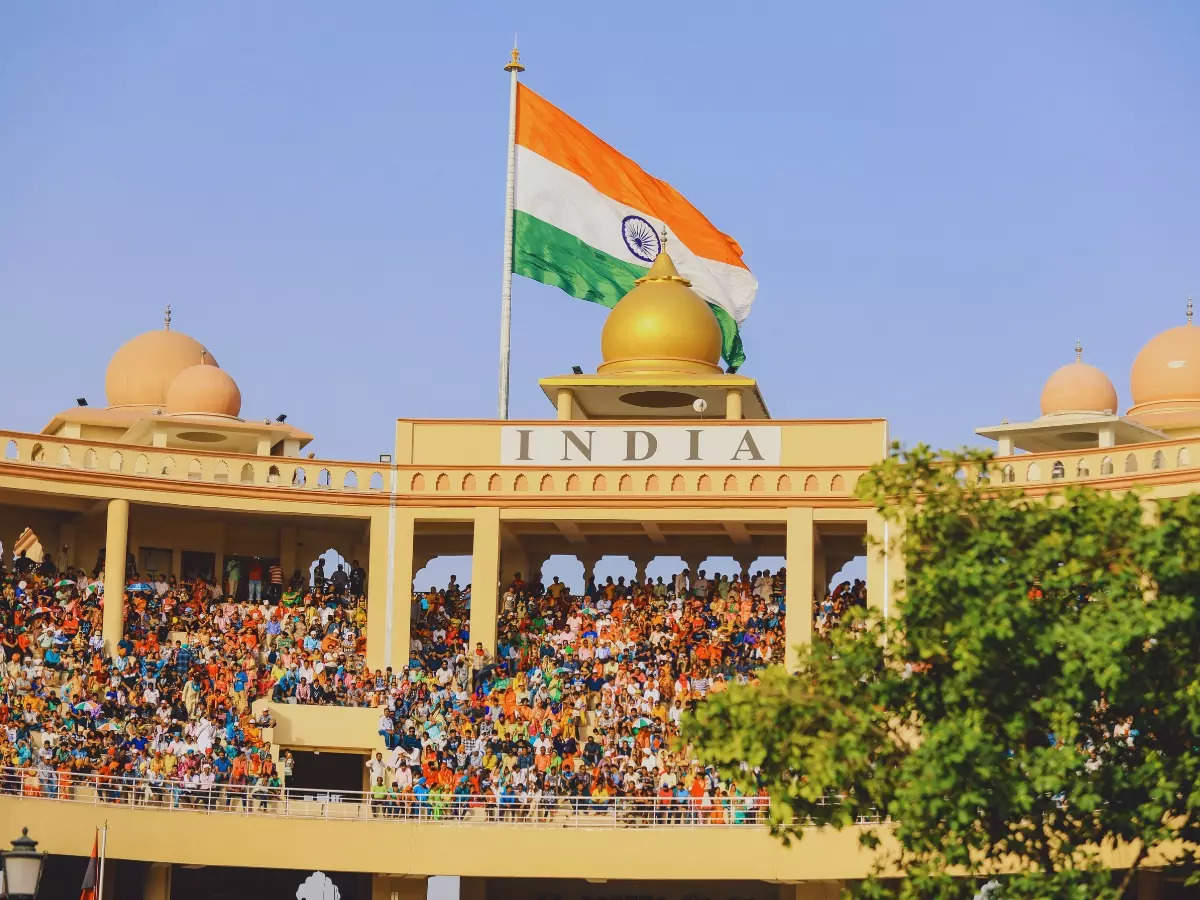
{"x": 91, "y": 875}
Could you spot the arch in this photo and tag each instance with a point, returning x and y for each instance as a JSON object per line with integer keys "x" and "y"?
{"x": 324, "y": 479}
{"x": 246, "y": 476}
{"x": 37, "y": 454}
{"x": 195, "y": 472}
{"x": 167, "y": 468}
{"x": 350, "y": 481}
{"x": 141, "y": 465}
{"x": 116, "y": 461}
{"x": 299, "y": 477}
{"x": 494, "y": 483}
{"x": 521, "y": 483}
{"x": 1131, "y": 463}
{"x": 64, "y": 455}
{"x": 837, "y": 483}
{"x": 221, "y": 471}
{"x": 376, "y": 481}
{"x": 1033, "y": 473}
{"x": 417, "y": 483}
{"x": 1081, "y": 469}
{"x": 652, "y": 483}
{"x": 678, "y": 484}
{"x": 600, "y": 483}
{"x": 1159, "y": 460}
{"x": 89, "y": 458}
{"x": 625, "y": 484}
{"x": 1183, "y": 459}
{"x": 10, "y": 450}
{"x": 1106, "y": 466}
{"x": 442, "y": 482}
{"x": 273, "y": 475}
{"x": 704, "y": 483}
{"x": 784, "y": 483}
{"x": 468, "y": 482}
{"x": 730, "y": 483}
{"x": 546, "y": 485}
{"x": 1058, "y": 471}
{"x": 572, "y": 482}
{"x": 757, "y": 484}
{"x": 1008, "y": 474}
{"x": 810, "y": 484}
{"x": 332, "y": 558}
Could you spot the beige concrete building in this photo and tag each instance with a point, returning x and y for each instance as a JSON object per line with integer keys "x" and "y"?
{"x": 658, "y": 454}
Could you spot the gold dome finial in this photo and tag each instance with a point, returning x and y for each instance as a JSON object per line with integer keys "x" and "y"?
{"x": 167, "y": 318}
{"x": 1078, "y": 351}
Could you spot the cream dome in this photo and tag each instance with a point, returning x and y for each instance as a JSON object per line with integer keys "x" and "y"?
{"x": 204, "y": 389}
{"x": 141, "y": 370}
{"x": 1165, "y": 380}
{"x": 1078, "y": 387}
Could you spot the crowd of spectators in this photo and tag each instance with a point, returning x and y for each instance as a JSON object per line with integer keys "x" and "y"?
{"x": 582, "y": 699}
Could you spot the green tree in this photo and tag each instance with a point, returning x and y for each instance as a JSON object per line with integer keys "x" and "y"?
{"x": 1034, "y": 699}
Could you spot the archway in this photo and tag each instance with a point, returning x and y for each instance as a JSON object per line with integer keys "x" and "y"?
{"x": 331, "y": 559}
{"x": 568, "y": 569}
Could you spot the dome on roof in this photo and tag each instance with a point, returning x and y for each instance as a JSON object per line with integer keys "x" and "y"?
{"x": 204, "y": 389}
{"x": 1165, "y": 379}
{"x": 661, "y": 326}
{"x": 1078, "y": 387}
{"x": 141, "y": 370}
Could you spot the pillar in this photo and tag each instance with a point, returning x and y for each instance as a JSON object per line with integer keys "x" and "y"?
{"x": 389, "y": 887}
{"x": 287, "y": 551}
{"x": 639, "y": 569}
{"x": 485, "y": 577}
{"x": 157, "y": 885}
{"x": 797, "y": 625}
{"x": 744, "y": 566}
{"x": 116, "y": 538}
{"x": 589, "y": 568}
{"x": 177, "y": 562}
{"x": 389, "y": 588}
{"x": 733, "y": 403}
{"x": 820, "y": 571}
{"x": 878, "y": 575}
{"x": 564, "y": 403}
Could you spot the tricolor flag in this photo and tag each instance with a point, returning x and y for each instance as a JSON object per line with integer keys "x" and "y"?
{"x": 587, "y": 219}
{"x": 91, "y": 875}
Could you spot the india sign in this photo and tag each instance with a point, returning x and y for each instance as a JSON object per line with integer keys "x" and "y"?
{"x": 654, "y": 445}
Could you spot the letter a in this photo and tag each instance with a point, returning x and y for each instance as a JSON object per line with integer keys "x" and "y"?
{"x": 747, "y": 445}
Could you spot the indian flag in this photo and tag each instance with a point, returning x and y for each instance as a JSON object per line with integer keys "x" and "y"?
{"x": 587, "y": 219}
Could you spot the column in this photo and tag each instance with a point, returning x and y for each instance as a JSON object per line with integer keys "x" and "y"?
{"x": 639, "y": 568}
{"x": 177, "y": 562}
{"x": 389, "y": 887}
{"x": 589, "y": 568}
{"x": 820, "y": 571}
{"x": 733, "y": 403}
{"x": 157, "y": 885}
{"x": 744, "y": 566}
{"x": 115, "y": 543}
{"x": 878, "y": 576}
{"x": 797, "y": 626}
{"x": 564, "y": 403}
{"x": 485, "y": 577}
{"x": 389, "y": 588}
{"x": 287, "y": 551}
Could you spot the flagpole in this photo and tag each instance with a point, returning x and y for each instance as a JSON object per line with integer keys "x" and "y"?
{"x": 103, "y": 849}
{"x": 514, "y": 66}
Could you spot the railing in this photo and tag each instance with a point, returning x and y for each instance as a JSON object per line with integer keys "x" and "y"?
{"x": 305, "y": 803}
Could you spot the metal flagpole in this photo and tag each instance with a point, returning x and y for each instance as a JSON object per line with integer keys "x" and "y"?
{"x": 103, "y": 849}
{"x": 514, "y": 66}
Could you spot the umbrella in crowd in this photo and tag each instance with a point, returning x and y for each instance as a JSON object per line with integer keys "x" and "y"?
{"x": 65, "y": 582}
{"x": 140, "y": 586}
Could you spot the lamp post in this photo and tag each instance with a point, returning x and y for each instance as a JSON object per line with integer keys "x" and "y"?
{"x": 23, "y": 868}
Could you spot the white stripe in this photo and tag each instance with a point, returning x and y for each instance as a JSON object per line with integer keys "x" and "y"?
{"x": 567, "y": 201}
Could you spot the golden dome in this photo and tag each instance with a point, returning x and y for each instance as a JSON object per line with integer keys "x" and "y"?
{"x": 661, "y": 326}
{"x": 204, "y": 389}
{"x": 1078, "y": 387}
{"x": 1165, "y": 379}
{"x": 141, "y": 369}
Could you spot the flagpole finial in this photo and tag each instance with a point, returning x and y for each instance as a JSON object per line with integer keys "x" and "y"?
{"x": 1078, "y": 351}
{"x": 514, "y": 63}
{"x": 167, "y": 318}
{"x": 1190, "y": 310}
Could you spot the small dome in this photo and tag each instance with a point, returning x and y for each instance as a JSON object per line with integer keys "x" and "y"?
{"x": 661, "y": 326}
{"x": 1168, "y": 367}
{"x": 204, "y": 389}
{"x": 140, "y": 371}
{"x": 1078, "y": 387}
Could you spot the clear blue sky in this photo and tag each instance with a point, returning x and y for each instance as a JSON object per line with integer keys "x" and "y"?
{"x": 937, "y": 198}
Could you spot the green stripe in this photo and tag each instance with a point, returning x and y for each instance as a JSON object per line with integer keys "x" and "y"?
{"x": 555, "y": 257}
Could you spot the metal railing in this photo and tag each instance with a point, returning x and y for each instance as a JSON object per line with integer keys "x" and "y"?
{"x": 433, "y": 807}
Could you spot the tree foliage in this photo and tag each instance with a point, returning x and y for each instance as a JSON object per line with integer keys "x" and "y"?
{"x": 1033, "y": 700}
